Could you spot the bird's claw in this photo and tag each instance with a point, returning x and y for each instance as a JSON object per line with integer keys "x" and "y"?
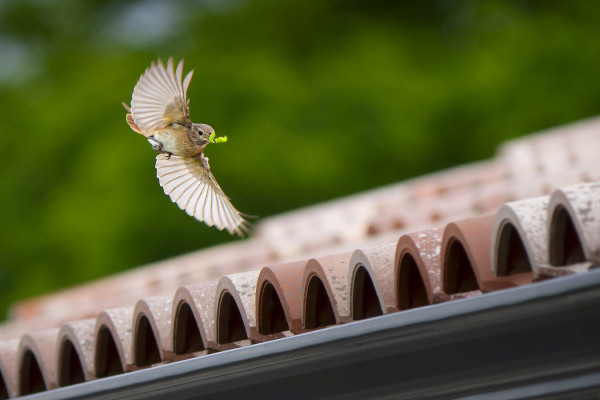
{"x": 156, "y": 145}
{"x": 204, "y": 161}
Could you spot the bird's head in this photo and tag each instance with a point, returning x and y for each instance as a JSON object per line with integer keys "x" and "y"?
{"x": 204, "y": 130}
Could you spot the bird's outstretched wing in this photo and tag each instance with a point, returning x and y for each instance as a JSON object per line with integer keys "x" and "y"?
{"x": 159, "y": 97}
{"x": 193, "y": 187}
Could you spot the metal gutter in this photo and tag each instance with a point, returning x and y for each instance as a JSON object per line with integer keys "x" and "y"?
{"x": 536, "y": 341}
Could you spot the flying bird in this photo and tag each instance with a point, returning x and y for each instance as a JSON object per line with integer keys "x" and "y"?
{"x": 159, "y": 111}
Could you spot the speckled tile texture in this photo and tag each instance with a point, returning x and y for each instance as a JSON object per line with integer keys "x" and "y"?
{"x": 521, "y": 222}
{"x": 531, "y": 213}
{"x": 113, "y": 332}
{"x": 286, "y": 281}
{"x": 77, "y": 337}
{"x": 417, "y": 266}
{"x": 157, "y": 311}
{"x": 378, "y": 261}
{"x": 582, "y": 206}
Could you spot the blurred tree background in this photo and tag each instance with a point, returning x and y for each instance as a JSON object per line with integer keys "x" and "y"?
{"x": 319, "y": 99}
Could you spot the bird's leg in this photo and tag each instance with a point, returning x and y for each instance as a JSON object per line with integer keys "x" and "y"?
{"x": 204, "y": 160}
{"x": 156, "y": 145}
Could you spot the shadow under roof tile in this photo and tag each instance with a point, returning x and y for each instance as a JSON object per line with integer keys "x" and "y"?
{"x": 417, "y": 269}
{"x": 113, "y": 332}
{"x": 574, "y": 233}
{"x": 519, "y": 239}
{"x": 318, "y": 310}
{"x": 365, "y": 301}
{"x": 466, "y": 257}
{"x": 287, "y": 283}
{"x": 204, "y": 297}
{"x": 193, "y": 319}
{"x": 235, "y": 310}
{"x": 332, "y": 270}
{"x": 152, "y": 336}
{"x": 76, "y": 352}
{"x": 36, "y": 360}
{"x": 378, "y": 263}
{"x": 8, "y": 368}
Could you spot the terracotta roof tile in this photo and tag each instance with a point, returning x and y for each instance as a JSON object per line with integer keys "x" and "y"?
{"x": 371, "y": 279}
{"x": 336, "y": 268}
{"x": 279, "y": 298}
{"x": 466, "y": 252}
{"x": 417, "y": 268}
{"x": 376, "y": 215}
{"x": 235, "y": 310}
{"x": 543, "y": 151}
{"x": 519, "y": 241}
{"x": 76, "y": 352}
{"x": 574, "y": 235}
{"x": 8, "y": 373}
{"x": 125, "y": 288}
{"x": 193, "y": 319}
{"x": 409, "y": 245}
{"x": 113, "y": 347}
{"x": 326, "y": 299}
{"x": 36, "y": 362}
{"x": 152, "y": 338}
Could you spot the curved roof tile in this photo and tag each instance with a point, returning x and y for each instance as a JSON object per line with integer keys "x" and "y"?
{"x": 286, "y": 281}
{"x": 76, "y": 352}
{"x": 8, "y": 373}
{"x": 378, "y": 263}
{"x": 152, "y": 337}
{"x": 466, "y": 252}
{"x": 332, "y": 272}
{"x": 452, "y": 252}
{"x": 519, "y": 237}
{"x": 235, "y": 310}
{"x": 36, "y": 362}
{"x": 417, "y": 269}
{"x": 113, "y": 345}
{"x": 574, "y": 234}
{"x": 193, "y": 328}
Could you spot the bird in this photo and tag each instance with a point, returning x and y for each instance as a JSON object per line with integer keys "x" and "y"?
{"x": 160, "y": 112}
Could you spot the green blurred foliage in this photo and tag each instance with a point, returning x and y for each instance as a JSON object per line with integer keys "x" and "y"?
{"x": 319, "y": 99}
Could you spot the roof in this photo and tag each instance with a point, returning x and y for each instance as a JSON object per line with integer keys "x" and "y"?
{"x": 503, "y": 345}
{"x": 525, "y": 216}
